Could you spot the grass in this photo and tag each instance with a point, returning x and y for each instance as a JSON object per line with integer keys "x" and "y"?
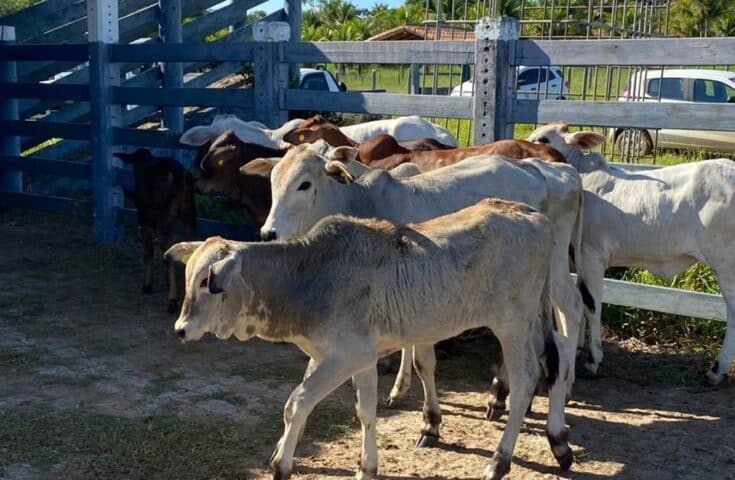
{"x": 103, "y": 446}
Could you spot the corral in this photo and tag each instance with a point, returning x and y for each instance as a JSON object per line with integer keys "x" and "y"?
{"x": 80, "y": 404}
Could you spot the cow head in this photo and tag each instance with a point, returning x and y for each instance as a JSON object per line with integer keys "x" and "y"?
{"x": 317, "y": 128}
{"x": 305, "y": 187}
{"x": 215, "y": 290}
{"x": 558, "y": 136}
{"x": 220, "y": 164}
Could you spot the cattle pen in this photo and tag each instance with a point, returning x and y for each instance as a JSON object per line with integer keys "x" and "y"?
{"x": 111, "y": 85}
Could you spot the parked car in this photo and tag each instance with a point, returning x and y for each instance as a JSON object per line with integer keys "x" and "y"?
{"x": 676, "y": 86}
{"x": 319, "y": 79}
{"x": 533, "y": 82}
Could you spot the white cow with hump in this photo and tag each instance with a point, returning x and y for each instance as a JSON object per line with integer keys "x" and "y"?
{"x": 307, "y": 186}
{"x": 354, "y": 289}
{"x": 661, "y": 219}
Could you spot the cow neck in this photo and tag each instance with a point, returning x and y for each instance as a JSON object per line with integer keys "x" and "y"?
{"x": 380, "y": 195}
{"x": 284, "y": 301}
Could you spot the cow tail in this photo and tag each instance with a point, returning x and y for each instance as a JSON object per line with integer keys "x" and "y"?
{"x": 574, "y": 250}
{"x": 548, "y": 322}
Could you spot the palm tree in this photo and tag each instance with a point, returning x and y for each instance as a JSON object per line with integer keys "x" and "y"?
{"x": 696, "y": 17}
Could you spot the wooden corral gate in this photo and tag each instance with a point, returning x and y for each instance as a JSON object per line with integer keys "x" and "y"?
{"x": 494, "y": 108}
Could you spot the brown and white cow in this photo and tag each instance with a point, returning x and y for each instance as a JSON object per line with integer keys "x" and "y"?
{"x": 364, "y": 288}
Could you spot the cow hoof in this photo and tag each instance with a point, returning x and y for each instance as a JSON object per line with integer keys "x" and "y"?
{"x": 173, "y": 306}
{"x": 493, "y": 414}
{"x": 498, "y": 467}
{"x": 147, "y": 289}
{"x": 713, "y": 377}
{"x": 561, "y": 450}
{"x": 365, "y": 474}
{"x": 588, "y": 371}
{"x": 427, "y": 440}
{"x": 394, "y": 401}
{"x": 280, "y": 473}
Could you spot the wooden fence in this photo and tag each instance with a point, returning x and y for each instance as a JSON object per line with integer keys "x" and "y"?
{"x": 494, "y": 109}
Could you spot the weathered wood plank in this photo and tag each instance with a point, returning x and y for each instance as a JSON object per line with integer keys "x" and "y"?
{"x": 709, "y": 116}
{"x": 205, "y": 25}
{"x": 44, "y": 91}
{"x": 10, "y": 180}
{"x": 182, "y": 52}
{"x": 148, "y": 138}
{"x": 63, "y": 205}
{"x": 658, "y": 51}
{"x": 170, "y": 32}
{"x": 379, "y": 103}
{"x": 74, "y": 131}
{"x": 37, "y": 165}
{"x": 666, "y": 300}
{"x": 456, "y": 52}
{"x": 67, "y": 52}
{"x": 205, "y": 227}
{"x": 212, "y": 97}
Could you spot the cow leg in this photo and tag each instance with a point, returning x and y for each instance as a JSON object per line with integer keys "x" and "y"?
{"x": 146, "y": 240}
{"x": 173, "y": 294}
{"x": 424, "y": 361}
{"x": 523, "y": 371}
{"x": 718, "y": 372}
{"x": 556, "y": 430}
{"x": 403, "y": 379}
{"x": 366, "y": 402}
{"x": 594, "y": 274}
{"x": 328, "y": 374}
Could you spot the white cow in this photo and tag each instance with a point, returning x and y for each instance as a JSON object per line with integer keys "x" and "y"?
{"x": 663, "y": 220}
{"x": 402, "y": 128}
{"x": 364, "y": 288}
{"x": 307, "y": 187}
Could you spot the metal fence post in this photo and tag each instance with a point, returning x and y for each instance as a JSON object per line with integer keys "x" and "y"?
{"x": 10, "y": 181}
{"x": 271, "y": 81}
{"x": 494, "y": 78}
{"x": 293, "y": 15}
{"x": 171, "y": 31}
{"x": 102, "y": 20}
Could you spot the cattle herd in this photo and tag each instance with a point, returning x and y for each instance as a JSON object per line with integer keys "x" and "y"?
{"x": 384, "y": 236}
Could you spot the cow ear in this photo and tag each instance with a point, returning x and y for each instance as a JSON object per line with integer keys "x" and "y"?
{"x": 181, "y": 252}
{"x": 584, "y": 140}
{"x": 221, "y": 272}
{"x": 343, "y": 154}
{"x": 197, "y": 136}
{"x": 260, "y": 166}
{"x": 338, "y": 171}
{"x": 405, "y": 170}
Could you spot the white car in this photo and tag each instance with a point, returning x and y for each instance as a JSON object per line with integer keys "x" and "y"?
{"x": 319, "y": 79}
{"x": 676, "y": 86}
{"x": 533, "y": 82}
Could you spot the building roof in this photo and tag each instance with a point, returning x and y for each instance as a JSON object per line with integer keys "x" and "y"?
{"x": 424, "y": 32}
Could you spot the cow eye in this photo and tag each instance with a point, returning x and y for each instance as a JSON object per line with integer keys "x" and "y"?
{"x": 304, "y": 186}
{"x": 205, "y": 282}
{"x": 543, "y": 140}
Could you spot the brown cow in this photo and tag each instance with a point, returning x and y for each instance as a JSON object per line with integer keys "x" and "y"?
{"x": 218, "y": 172}
{"x": 431, "y": 160}
{"x": 163, "y": 191}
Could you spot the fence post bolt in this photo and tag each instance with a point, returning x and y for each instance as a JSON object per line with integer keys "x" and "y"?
{"x": 10, "y": 181}
{"x": 495, "y": 40}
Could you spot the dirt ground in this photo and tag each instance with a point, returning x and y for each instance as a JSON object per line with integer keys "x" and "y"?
{"x": 94, "y": 385}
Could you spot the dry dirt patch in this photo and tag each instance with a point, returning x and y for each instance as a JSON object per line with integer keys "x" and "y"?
{"x": 93, "y": 385}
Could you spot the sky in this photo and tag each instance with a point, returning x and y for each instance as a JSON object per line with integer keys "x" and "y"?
{"x": 273, "y": 5}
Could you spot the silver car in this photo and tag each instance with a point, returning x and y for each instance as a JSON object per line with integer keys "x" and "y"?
{"x": 677, "y": 86}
